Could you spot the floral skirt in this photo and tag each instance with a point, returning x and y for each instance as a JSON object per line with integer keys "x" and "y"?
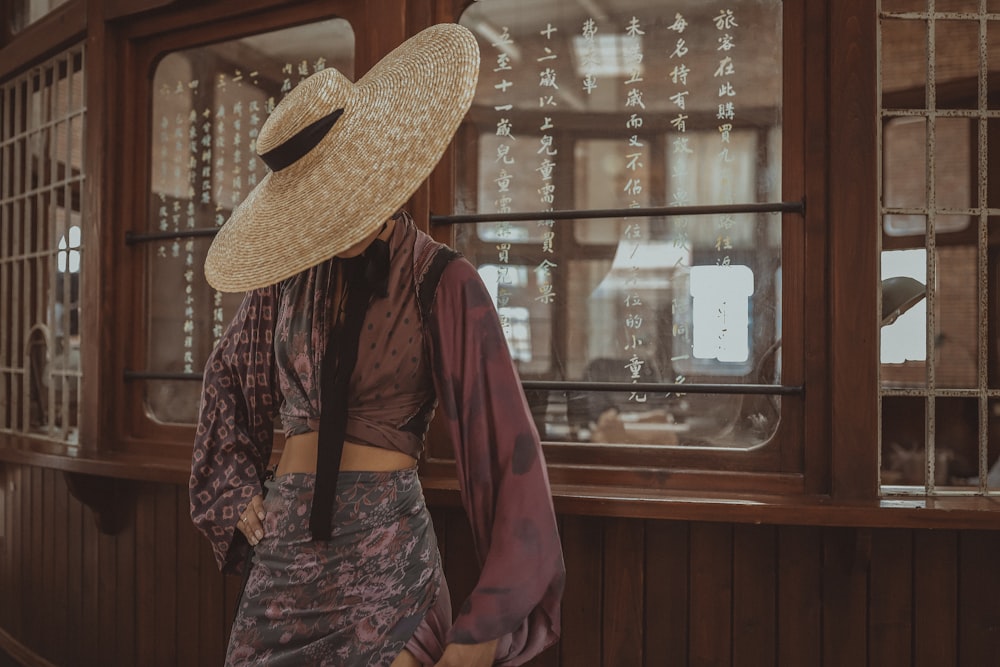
{"x": 355, "y": 600}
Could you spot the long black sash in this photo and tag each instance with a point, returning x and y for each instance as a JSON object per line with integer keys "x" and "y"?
{"x": 365, "y": 275}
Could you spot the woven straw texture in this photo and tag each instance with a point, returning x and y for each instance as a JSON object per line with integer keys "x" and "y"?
{"x": 397, "y": 121}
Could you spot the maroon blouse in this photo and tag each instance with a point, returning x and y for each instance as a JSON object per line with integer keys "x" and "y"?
{"x": 500, "y": 466}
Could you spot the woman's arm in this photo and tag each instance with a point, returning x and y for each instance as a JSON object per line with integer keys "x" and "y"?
{"x": 235, "y": 427}
{"x": 502, "y": 474}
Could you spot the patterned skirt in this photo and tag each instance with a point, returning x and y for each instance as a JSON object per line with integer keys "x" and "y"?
{"x": 355, "y": 600}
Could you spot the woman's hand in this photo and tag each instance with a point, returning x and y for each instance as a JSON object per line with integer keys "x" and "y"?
{"x": 251, "y": 521}
{"x": 468, "y": 655}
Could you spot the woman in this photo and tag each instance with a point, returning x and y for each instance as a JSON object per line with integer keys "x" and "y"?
{"x": 355, "y": 326}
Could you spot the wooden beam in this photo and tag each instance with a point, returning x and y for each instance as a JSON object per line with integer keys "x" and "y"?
{"x": 65, "y": 25}
{"x": 853, "y": 224}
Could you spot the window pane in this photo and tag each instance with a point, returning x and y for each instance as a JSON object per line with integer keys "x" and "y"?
{"x": 209, "y": 105}
{"x": 41, "y": 243}
{"x": 643, "y": 105}
{"x": 956, "y": 66}
{"x": 904, "y": 63}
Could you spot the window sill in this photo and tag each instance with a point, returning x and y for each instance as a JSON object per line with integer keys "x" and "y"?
{"x": 975, "y": 512}
{"x": 74, "y": 459}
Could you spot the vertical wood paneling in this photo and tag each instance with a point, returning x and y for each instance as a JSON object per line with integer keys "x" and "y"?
{"x": 665, "y": 631}
{"x": 845, "y": 594}
{"x": 754, "y": 585}
{"x": 212, "y": 630}
{"x": 49, "y": 585}
{"x": 125, "y": 653}
{"x": 583, "y": 546}
{"x": 639, "y": 593}
{"x": 107, "y": 597}
{"x": 188, "y": 609}
{"x": 145, "y": 575}
{"x": 979, "y": 598}
{"x": 711, "y": 594}
{"x": 74, "y": 568}
{"x": 89, "y": 626}
{"x": 935, "y": 597}
{"x": 890, "y": 599}
{"x": 800, "y": 595}
{"x": 36, "y": 519}
{"x": 7, "y": 548}
{"x": 623, "y": 589}
{"x": 62, "y": 553}
{"x": 164, "y": 557}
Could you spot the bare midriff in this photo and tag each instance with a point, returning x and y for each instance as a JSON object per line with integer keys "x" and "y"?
{"x": 299, "y": 455}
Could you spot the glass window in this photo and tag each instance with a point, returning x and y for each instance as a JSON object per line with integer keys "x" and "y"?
{"x": 601, "y": 111}
{"x": 208, "y": 106}
{"x": 939, "y": 264}
{"x": 25, "y": 12}
{"x": 42, "y": 126}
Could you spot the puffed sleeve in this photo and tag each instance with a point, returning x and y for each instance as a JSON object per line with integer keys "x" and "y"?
{"x": 235, "y": 431}
{"x": 502, "y": 474}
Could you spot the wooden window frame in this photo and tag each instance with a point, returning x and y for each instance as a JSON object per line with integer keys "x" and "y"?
{"x": 834, "y": 81}
{"x": 786, "y": 464}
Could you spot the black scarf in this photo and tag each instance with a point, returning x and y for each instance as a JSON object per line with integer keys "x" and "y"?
{"x": 365, "y": 276}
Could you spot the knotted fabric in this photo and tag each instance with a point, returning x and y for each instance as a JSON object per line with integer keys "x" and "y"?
{"x": 365, "y": 275}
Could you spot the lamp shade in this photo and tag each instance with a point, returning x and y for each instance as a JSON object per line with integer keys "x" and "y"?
{"x": 899, "y": 294}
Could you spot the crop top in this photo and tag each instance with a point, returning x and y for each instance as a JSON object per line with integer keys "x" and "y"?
{"x": 391, "y": 402}
{"x": 465, "y": 364}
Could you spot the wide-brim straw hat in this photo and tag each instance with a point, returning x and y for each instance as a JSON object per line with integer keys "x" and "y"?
{"x": 397, "y": 121}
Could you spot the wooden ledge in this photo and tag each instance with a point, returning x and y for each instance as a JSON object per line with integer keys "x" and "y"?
{"x": 118, "y": 465}
{"x": 969, "y": 513}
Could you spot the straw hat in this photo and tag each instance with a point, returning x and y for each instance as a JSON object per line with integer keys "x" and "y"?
{"x": 338, "y": 175}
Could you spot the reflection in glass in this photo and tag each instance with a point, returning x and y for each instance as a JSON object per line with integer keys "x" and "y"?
{"x": 642, "y": 104}
{"x": 209, "y": 105}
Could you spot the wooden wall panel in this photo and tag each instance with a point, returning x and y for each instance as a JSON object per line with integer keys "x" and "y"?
{"x": 935, "y": 596}
{"x": 624, "y": 562}
{"x": 890, "y": 598}
{"x": 639, "y": 592}
{"x": 979, "y": 598}
{"x": 711, "y": 582}
{"x": 754, "y": 605}
{"x": 581, "y": 635}
{"x": 667, "y": 592}
{"x": 845, "y": 560}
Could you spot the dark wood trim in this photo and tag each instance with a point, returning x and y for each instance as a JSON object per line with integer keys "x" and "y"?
{"x": 973, "y": 513}
{"x": 806, "y": 86}
{"x": 115, "y": 9}
{"x": 110, "y": 499}
{"x": 853, "y": 223}
{"x": 97, "y": 402}
{"x": 196, "y": 14}
{"x": 6, "y": 24}
{"x": 65, "y": 25}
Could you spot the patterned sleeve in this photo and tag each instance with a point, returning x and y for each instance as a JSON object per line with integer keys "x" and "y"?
{"x": 235, "y": 430}
{"x": 502, "y": 474}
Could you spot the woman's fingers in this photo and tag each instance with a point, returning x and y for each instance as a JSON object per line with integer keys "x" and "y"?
{"x": 251, "y": 520}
